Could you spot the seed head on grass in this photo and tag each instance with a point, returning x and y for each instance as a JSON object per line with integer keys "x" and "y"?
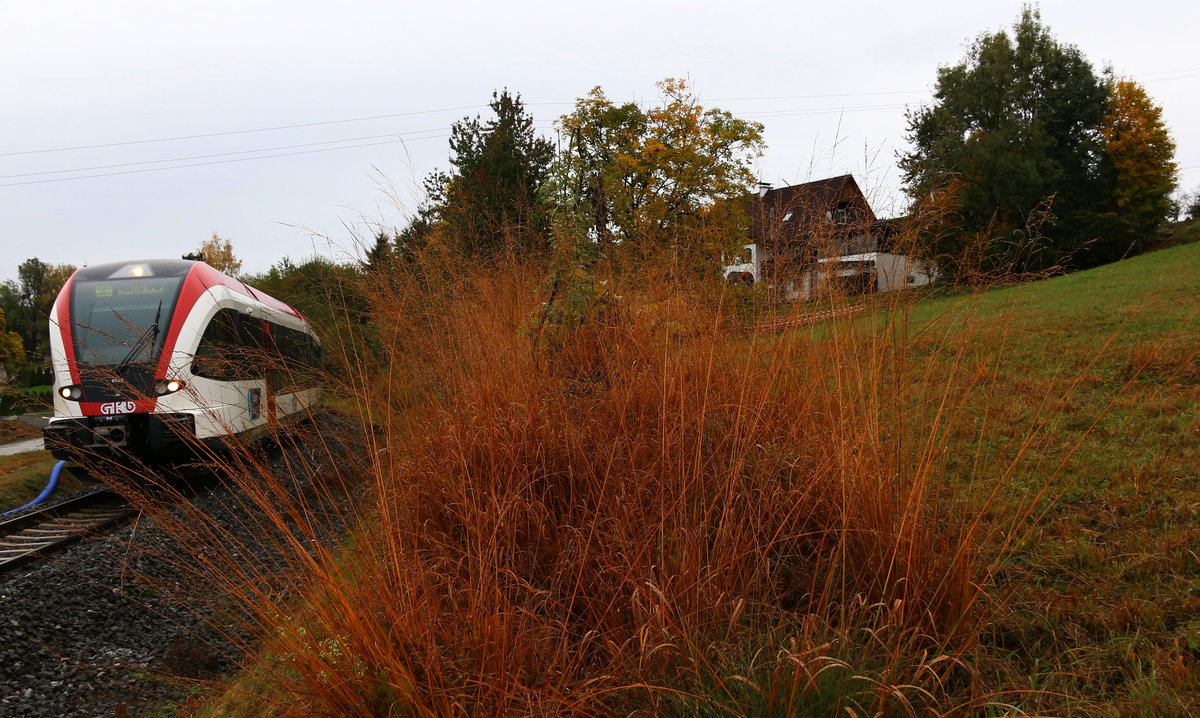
{"x": 624, "y": 504}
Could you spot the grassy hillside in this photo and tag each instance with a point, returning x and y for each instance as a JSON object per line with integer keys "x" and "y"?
{"x": 1110, "y": 354}
{"x": 1093, "y": 381}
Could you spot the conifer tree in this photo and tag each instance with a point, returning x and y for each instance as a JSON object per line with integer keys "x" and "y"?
{"x": 492, "y": 197}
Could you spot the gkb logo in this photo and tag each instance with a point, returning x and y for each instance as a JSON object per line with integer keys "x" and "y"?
{"x": 117, "y": 407}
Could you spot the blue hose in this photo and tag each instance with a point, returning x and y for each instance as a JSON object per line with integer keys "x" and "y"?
{"x": 50, "y": 486}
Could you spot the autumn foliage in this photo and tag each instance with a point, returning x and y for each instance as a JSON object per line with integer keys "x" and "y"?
{"x": 1142, "y": 155}
{"x": 670, "y": 177}
{"x": 1054, "y": 165}
{"x": 218, "y": 253}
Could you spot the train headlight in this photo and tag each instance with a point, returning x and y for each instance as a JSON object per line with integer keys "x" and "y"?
{"x": 167, "y": 386}
{"x": 72, "y": 392}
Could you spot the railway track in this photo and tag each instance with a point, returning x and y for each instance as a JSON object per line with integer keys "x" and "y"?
{"x": 34, "y": 534}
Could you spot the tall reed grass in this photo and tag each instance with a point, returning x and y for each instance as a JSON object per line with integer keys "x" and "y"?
{"x": 597, "y": 495}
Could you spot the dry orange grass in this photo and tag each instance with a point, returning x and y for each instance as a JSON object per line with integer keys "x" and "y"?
{"x": 644, "y": 512}
{"x": 633, "y": 510}
{"x": 575, "y": 497}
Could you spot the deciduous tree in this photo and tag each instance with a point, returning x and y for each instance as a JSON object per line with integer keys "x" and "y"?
{"x": 1140, "y": 157}
{"x": 218, "y": 254}
{"x": 27, "y": 301}
{"x": 12, "y": 349}
{"x": 671, "y": 177}
{"x": 327, "y": 293}
{"x": 1012, "y": 127}
{"x": 1189, "y": 204}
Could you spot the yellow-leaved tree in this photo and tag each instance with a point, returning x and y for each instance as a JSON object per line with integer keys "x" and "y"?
{"x": 218, "y": 254}
{"x": 672, "y": 177}
{"x": 1141, "y": 157}
{"x": 12, "y": 350}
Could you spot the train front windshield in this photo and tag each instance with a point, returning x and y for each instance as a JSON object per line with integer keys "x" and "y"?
{"x": 122, "y": 318}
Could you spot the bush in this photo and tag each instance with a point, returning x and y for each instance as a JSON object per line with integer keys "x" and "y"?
{"x": 31, "y": 400}
{"x": 1183, "y": 233}
{"x": 619, "y": 513}
{"x": 34, "y": 376}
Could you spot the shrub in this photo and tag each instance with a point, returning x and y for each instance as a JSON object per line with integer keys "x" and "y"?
{"x": 644, "y": 514}
{"x": 25, "y": 401}
{"x": 34, "y": 376}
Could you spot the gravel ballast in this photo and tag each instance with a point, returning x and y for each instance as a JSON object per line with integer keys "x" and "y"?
{"x": 105, "y": 628}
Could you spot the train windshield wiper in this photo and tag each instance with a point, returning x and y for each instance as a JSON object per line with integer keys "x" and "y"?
{"x": 148, "y": 337}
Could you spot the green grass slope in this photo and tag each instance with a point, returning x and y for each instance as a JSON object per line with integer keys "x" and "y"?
{"x": 1088, "y": 386}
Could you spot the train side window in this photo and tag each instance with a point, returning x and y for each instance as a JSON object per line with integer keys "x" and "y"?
{"x": 292, "y": 349}
{"x": 312, "y": 352}
{"x": 220, "y": 354}
{"x": 256, "y": 357}
{"x": 237, "y": 347}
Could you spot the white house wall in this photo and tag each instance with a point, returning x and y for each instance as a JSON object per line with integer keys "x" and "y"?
{"x": 891, "y": 272}
{"x": 921, "y": 273}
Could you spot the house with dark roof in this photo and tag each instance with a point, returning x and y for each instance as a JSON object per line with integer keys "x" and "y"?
{"x": 806, "y": 235}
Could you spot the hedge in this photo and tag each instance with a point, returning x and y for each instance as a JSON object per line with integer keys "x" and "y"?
{"x": 26, "y": 401}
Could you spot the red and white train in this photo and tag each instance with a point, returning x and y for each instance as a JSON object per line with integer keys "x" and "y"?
{"x": 153, "y": 357}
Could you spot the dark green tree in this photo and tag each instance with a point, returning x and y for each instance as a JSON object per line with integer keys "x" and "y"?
{"x": 327, "y": 293}
{"x": 27, "y": 301}
{"x": 380, "y": 255}
{"x": 417, "y": 234}
{"x": 10, "y": 304}
{"x": 492, "y": 197}
{"x": 1014, "y": 129}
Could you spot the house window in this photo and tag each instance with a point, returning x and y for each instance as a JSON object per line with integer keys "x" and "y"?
{"x": 841, "y": 216}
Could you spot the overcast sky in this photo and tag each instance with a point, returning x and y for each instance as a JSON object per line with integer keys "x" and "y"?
{"x": 167, "y": 108}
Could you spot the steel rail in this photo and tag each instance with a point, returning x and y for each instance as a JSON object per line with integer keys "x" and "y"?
{"x": 34, "y": 534}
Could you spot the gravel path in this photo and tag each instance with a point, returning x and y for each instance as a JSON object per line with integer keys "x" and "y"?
{"x": 19, "y": 447}
{"x": 87, "y": 634}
